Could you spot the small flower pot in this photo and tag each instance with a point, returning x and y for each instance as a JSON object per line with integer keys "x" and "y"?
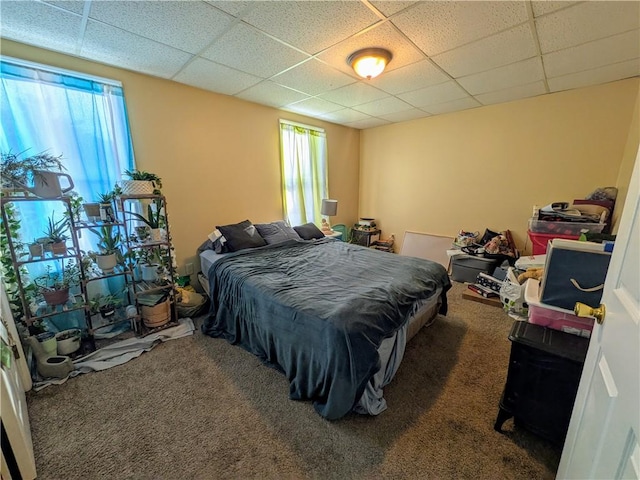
{"x": 107, "y": 263}
{"x": 36, "y": 250}
{"x": 59, "y": 248}
{"x": 150, "y": 272}
{"x": 56, "y": 297}
{"x": 92, "y": 211}
{"x": 68, "y": 341}
{"x": 107, "y": 311}
{"x": 48, "y": 342}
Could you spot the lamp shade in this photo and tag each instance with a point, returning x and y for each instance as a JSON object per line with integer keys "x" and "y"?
{"x": 329, "y": 207}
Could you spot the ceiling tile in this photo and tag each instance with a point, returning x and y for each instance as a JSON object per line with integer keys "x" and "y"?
{"x": 519, "y": 73}
{"x": 615, "y": 49}
{"x": 453, "y": 106}
{"x": 354, "y": 94}
{"x": 313, "y": 106}
{"x": 514, "y": 93}
{"x": 406, "y": 115}
{"x": 40, "y": 24}
{"x": 383, "y": 107}
{"x": 367, "y": 123}
{"x": 233, "y": 7}
{"x": 75, "y": 6}
{"x": 609, "y": 73}
{"x": 495, "y": 51}
{"x": 433, "y": 95}
{"x": 412, "y": 77}
{"x": 383, "y": 36}
{"x": 542, "y": 7}
{"x": 313, "y": 77}
{"x": 389, "y": 8}
{"x": 344, "y": 116}
{"x": 113, "y": 46}
{"x": 311, "y": 26}
{"x": 205, "y": 74}
{"x": 269, "y": 93}
{"x": 245, "y": 48}
{"x": 585, "y": 22}
{"x": 436, "y": 27}
{"x": 188, "y": 26}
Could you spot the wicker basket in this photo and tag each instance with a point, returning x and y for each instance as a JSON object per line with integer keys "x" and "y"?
{"x": 157, "y": 315}
{"x": 137, "y": 187}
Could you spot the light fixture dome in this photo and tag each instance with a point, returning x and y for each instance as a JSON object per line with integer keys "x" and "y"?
{"x": 369, "y": 62}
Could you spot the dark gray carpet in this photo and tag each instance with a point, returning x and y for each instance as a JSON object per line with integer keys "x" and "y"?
{"x": 198, "y": 407}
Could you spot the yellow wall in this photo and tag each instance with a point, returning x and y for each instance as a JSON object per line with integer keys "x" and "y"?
{"x": 487, "y": 167}
{"x": 218, "y": 156}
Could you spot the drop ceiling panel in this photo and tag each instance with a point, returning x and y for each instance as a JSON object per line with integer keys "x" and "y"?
{"x": 405, "y": 115}
{"x": 453, "y": 106}
{"x": 354, "y": 94}
{"x": 75, "y": 6}
{"x": 235, "y": 8}
{"x": 541, "y": 7}
{"x": 443, "y": 92}
{"x": 514, "y": 93}
{"x": 519, "y": 73}
{"x": 391, "y": 7}
{"x": 383, "y": 107}
{"x": 383, "y": 36}
{"x": 208, "y": 75}
{"x": 311, "y": 105}
{"x": 269, "y": 93}
{"x": 491, "y": 52}
{"x": 617, "y": 71}
{"x": 116, "y": 47}
{"x": 412, "y": 77}
{"x": 344, "y": 116}
{"x": 313, "y": 77}
{"x": 188, "y": 26}
{"x": 40, "y": 24}
{"x": 585, "y": 22}
{"x": 436, "y": 27}
{"x": 247, "y": 49}
{"x": 311, "y": 26}
{"x": 615, "y": 49}
{"x": 368, "y": 123}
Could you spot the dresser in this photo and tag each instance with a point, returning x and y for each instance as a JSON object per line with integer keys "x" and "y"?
{"x": 542, "y": 380}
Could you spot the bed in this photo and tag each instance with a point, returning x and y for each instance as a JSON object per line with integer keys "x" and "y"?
{"x": 333, "y": 317}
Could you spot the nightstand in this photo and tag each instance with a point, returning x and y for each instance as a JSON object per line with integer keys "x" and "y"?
{"x": 542, "y": 380}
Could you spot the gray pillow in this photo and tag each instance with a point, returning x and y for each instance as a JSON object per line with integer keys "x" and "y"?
{"x": 240, "y": 236}
{"x": 309, "y": 231}
{"x": 276, "y": 232}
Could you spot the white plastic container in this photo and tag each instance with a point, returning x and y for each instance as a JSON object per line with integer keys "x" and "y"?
{"x": 554, "y": 317}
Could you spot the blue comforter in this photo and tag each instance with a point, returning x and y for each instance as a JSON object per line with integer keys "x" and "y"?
{"x": 318, "y": 311}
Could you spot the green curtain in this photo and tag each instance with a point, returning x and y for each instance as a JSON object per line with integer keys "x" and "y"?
{"x": 303, "y": 160}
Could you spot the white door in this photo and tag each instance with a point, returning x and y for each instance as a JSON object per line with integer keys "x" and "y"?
{"x": 603, "y": 441}
{"x": 17, "y": 459}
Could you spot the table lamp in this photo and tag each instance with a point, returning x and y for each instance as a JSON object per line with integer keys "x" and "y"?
{"x": 329, "y": 208}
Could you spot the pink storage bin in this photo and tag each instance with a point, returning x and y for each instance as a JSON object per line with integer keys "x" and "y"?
{"x": 554, "y": 317}
{"x": 539, "y": 241}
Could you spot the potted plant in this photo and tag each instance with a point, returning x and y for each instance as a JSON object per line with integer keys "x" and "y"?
{"x": 106, "y": 305}
{"x": 68, "y": 341}
{"x": 54, "y": 286}
{"x": 109, "y": 240}
{"x": 150, "y": 264}
{"x": 75, "y": 204}
{"x": 154, "y": 219}
{"x": 56, "y": 235}
{"x": 106, "y": 207}
{"x": 140, "y": 183}
{"x": 36, "y": 249}
{"x": 18, "y": 173}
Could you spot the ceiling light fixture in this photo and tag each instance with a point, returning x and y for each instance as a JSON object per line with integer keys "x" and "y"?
{"x": 369, "y": 62}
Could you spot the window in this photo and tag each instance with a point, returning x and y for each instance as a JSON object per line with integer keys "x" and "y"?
{"x": 80, "y": 117}
{"x": 303, "y": 157}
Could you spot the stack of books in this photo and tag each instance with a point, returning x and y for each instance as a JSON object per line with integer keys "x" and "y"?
{"x": 483, "y": 291}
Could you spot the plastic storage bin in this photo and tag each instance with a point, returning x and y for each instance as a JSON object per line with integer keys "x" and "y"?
{"x": 539, "y": 241}
{"x": 563, "y": 228}
{"x": 465, "y": 268}
{"x": 554, "y": 317}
